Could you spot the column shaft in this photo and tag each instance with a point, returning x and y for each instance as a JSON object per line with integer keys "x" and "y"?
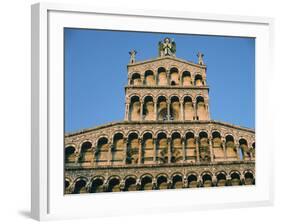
{"x": 168, "y": 110}
{"x": 154, "y": 150}
{"x": 155, "y": 109}
{"x": 211, "y": 150}
{"x": 224, "y": 149}
{"x": 169, "y": 150}
{"x": 183, "y": 149}
{"x": 195, "y": 111}
{"x": 140, "y": 152}
{"x": 197, "y": 149}
{"x": 182, "y": 113}
{"x": 109, "y": 155}
{"x": 125, "y": 150}
{"x": 141, "y": 110}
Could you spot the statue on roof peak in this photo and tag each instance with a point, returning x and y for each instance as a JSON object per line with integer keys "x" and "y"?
{"x": 167, "y": 47}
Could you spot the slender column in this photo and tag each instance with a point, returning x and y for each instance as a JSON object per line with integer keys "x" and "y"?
{"x": 142, "y": 80}
{"x": 127, "y": 109}
{"x": 197, "y": 148}
{"x": 181, "y": 108}
{"x": 195, "y": 111}
{"x": 94, "y": 155}
{"x": 140, "y": 151}
{"x": 168, "y": 109}
{"x": 208, "y": 112}
{"x": 154, "y": 150}
{"x": 109, "y": 155}
{"x": 224, "y": 149}
{"x": 77, "y": 157}
{"x": 183, "y": 149}
{"x": 155, "y": 109}
{"x": 214, "y": 180}
{"x": 168, "y": 77}
{"x": 237, "y": 151}
{"x": 211, "y": 150}
{"x": 169, "y": 150}
{"x": 141, "y": 110}
{"x": 125, "y": 150}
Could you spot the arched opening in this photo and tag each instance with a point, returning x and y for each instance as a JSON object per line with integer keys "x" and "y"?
{"x": 192, "y": 181}
{"x": 177, "y": 182}
{"x": 133, "y": 148}
{"x": 221, "y": 180}
{"x": 198, "y": 80}
{"x": 66, "y": 186}
{"x": 80, "y": 187}
{"x": 162, "y": 108}
{"x": 114, "y": 185}
{"x": 148, "y": 148}
{"x": 148, "y": 109}
{"x": 66, "y": 183}
{"x": 162, "y": 148}
{"x": 188, "y": 108}
{"x": 134, "y": 114}
{"x": 201, "y": 109}
{"x": 119, "y": 149}
{"x": 162, "y": 77}
{"x": 204, "y": 151}
{"x": 97, "y": 186}
{"x": 186, "y": 78}
{"x": 130, "y": 184}
{"x": 146, "y": 183}
{"x": 149, "y": 78}
{"x": 86, "y": 152}
{"x": 175, "y": 108}
{"x": 235, "y": 179}
{"x": 176, "y": 148}
{"x": 231, "y": 153}
{"x": 244, "y": 152}
{"x": 174, "y": 76}
{"x": 207, "y": 180}
{"x": 102, "y": 151}
{"x": 217, "y": 146}
{"x": 136, "y": 79}
{"x": 190, "y": 147}
{"x": 162, "y": 182}
{"x": 249, "y": 178}
{"x": 69, "y": 154}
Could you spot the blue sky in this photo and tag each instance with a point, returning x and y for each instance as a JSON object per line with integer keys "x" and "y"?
{"x": 96, "y": 73}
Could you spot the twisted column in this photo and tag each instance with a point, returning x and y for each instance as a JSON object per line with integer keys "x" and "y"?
{"x": 168, "y": 109}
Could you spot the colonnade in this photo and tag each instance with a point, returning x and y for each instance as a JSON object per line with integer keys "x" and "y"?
{"x": 161, "y": 149}
{"x": 166, "y": 108}
{"x": 159, "y": 181}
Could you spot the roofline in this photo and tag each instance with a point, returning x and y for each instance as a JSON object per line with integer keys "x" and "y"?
{"x": 166, "y": 57}
{"x": 86, "y": 130}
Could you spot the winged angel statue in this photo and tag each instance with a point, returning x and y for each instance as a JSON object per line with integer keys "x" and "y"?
{"x": 167, "y": 47}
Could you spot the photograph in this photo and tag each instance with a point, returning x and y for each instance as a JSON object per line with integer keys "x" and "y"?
{"x": 157, "y": 111}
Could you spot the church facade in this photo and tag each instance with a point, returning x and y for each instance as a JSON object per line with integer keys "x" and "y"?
{"x": 167, "y": 139}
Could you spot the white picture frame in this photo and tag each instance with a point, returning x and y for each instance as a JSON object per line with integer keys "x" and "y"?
{"x": 48, "y": 201}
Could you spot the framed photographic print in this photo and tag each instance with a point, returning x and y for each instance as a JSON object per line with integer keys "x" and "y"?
{"x": 166, "y": 109}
